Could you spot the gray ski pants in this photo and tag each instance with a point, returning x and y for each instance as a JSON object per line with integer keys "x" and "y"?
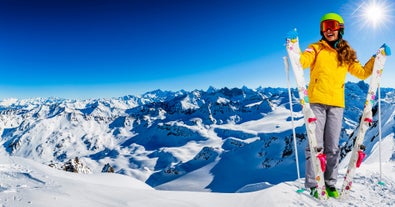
{"x": 328, "y": 128}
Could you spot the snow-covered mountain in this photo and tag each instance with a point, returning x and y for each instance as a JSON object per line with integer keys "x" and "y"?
{"x": 219, "y": 140}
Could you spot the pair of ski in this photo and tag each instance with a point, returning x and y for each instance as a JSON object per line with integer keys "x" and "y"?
{"x": 317, "y": 155}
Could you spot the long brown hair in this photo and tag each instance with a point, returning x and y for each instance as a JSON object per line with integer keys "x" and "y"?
{"x": 345, "y": 54}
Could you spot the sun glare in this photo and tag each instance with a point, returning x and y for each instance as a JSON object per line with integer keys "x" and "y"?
{"x": 373, "y": 13}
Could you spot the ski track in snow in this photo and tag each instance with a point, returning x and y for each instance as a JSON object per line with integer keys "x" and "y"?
{"x": 15, "y": 181}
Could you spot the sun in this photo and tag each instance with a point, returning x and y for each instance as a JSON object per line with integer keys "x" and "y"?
{"x": 373, "y": 13}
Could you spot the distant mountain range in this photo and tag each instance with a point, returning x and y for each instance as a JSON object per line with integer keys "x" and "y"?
{"x": 163, "y": 138}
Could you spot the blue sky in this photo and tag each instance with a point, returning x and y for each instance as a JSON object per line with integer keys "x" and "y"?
{"x": 110, "y": 48}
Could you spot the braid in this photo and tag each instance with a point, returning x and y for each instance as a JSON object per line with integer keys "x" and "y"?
{"x": 345, "y": 54}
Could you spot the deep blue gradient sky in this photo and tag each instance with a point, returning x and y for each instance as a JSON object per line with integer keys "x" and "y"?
{"x": 110, "y": 48}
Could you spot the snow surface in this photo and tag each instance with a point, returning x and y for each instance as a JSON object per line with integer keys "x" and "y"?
{"x": 24, "y": 182}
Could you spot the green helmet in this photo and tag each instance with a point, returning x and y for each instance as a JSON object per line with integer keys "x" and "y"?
{"x": 333, "y": 16}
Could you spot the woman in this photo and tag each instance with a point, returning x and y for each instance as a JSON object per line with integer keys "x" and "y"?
{"x": 329, "y": 61}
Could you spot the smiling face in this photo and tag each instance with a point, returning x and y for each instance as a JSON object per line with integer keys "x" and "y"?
{"x": 331, "y": 35}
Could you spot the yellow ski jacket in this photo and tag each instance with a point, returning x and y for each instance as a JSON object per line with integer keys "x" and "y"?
{"x": 327, "y": 76}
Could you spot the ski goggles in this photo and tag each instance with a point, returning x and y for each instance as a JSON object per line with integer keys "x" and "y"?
{"x": 331, "y": 24}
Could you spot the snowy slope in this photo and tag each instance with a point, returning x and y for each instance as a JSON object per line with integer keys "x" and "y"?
{"x": 27, "y": 183}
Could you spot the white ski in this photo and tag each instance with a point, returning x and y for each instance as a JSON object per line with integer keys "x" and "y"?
{"x": 317, "y": 156}
{"x": 357, "y": 153}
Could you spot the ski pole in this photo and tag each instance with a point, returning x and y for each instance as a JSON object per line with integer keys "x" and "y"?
{"x": 379, "y": 111}
{"x": 292, "y": 121}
